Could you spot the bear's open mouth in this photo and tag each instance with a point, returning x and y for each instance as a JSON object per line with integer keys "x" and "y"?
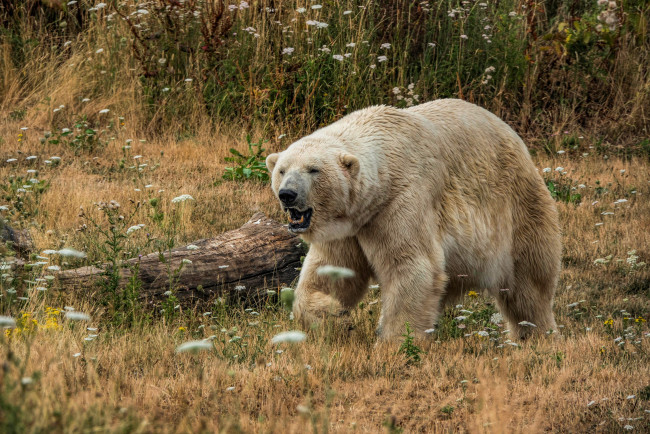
{"x": 299, "y": 220}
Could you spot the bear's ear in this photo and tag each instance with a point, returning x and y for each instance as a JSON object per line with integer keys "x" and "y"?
{"x": 271, "y": 160}
{"x": 350, "y": 163}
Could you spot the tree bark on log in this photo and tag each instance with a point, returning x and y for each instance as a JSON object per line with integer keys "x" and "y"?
{"x": 19, "y": 240}
{"x": 260, "y": 255}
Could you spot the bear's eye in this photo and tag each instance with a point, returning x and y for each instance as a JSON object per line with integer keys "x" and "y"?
{"x": 281, "y": 172}
{"x": 313, "y": 170}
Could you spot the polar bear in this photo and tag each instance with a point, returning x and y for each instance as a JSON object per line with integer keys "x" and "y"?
{"x": 430, "y": 201}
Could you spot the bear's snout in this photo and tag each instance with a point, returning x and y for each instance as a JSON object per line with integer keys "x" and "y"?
{"x": 287, "y": 196}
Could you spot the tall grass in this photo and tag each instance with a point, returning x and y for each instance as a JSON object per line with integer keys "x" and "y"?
{"x": 290, "y": 67}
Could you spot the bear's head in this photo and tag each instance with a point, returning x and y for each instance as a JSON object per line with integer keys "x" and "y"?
{"x": 314, "y": 180}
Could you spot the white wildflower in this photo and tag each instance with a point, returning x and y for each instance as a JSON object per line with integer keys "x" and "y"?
{"x": 7, "y": 322}
{"x": 334, "y": 272}
{"x": 132, "y": 229}
{"x": 103, "y": 111}
{"x": 496, "y": 318}
{"x": 194, "y": 346}
{"x": 182, "y": 198}
{"x": 77, "y": 316}
{"x": 381, "y": 59}
{"x": 71, "y": 253}
{"x": 527, "y": 324}
{"x": 293, "y": 336}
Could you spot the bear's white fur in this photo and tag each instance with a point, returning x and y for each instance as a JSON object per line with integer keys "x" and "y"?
{"x": 431, "y": 201}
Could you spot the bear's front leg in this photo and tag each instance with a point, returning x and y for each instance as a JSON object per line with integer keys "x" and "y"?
{"x": 412, "y": 292}
{"x": 318, "y": 296}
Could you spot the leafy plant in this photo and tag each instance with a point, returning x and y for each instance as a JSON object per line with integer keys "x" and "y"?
{"x": 409, "y": 348}
{"x": 447, "y": 409}
{"x": 113, "y": 244}
{"x": 82, "y": 136}
{"x": 563, "y": 191}
{"x": 23, "y": 194}
{"x": 250, "y": 167}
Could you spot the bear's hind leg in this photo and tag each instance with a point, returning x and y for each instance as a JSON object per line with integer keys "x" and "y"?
{"x": 528, "y": 307}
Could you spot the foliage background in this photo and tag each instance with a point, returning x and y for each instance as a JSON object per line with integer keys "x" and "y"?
{"x": 270, "y": 66}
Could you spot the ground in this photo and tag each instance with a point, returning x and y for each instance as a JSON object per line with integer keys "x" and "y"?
{"x": 593, "y": 377}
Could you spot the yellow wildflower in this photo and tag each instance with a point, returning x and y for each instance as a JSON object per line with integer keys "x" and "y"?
{"x": 182, "y": 329}
{"x": 472, "y": 294}
{"x": 640, "y": 320}
{"x": 609, "y": 322}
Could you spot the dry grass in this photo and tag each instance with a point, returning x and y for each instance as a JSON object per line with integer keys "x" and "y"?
{"x": 130, "y": 379}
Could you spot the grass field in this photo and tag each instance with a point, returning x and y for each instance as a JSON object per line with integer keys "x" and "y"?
{"x": 129, "y": 378}
{"x": 85, "y": 119}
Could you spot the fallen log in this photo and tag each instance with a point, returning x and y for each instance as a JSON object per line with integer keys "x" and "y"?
{"x": 19, "y": 240}
{"x": 244, "y": 262}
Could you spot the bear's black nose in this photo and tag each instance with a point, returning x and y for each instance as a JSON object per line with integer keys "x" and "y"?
{"x": 287, "y": 196}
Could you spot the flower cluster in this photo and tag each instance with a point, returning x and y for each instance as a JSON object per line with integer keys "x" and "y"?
{"x": 608, "y": 16}
{"x": 28, "y": 324}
